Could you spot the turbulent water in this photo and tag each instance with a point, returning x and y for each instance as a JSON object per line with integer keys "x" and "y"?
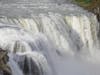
{"x": 50, "y": 39}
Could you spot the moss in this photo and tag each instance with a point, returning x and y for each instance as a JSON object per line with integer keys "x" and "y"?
{"x": 84, "y": 1}
{"x": 88, "y": 4}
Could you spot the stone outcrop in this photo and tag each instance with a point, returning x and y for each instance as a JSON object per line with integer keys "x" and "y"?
{"x": 3, "y": 62}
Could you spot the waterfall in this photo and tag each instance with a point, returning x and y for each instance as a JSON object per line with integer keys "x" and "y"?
{"x": 63, "y": 28}
{"x": 14, "y": 67}
{"x": 48, "y": 38}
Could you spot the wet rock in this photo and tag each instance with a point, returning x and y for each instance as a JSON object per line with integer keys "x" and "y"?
{"x": 3, "y": 62}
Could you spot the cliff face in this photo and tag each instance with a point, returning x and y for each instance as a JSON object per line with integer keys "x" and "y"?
{"x": 3, "y": 63}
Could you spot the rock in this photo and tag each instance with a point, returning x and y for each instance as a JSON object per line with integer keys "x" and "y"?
{"x": 3, "y": 62}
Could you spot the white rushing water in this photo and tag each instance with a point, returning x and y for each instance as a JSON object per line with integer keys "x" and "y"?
{"x": 59, "y": 40}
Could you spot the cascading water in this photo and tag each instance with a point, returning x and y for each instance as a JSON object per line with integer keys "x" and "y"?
{"x": 48, "y": 38}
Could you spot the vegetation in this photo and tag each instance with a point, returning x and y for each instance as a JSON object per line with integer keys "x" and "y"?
{"x": 90, "y": 5}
